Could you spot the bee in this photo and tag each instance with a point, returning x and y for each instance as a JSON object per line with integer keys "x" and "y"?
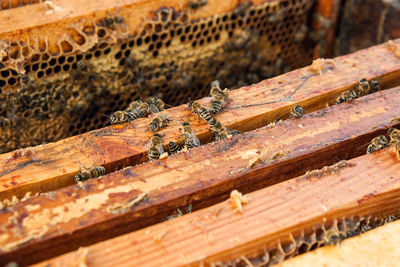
{"x": 4, "y": 122}
{"x": 190, "y": 138}
{"x": 111, "y": 21}
{"x": 158, "y": 122}
{"x": 174, "y": 147}
{"x": 155, "y": 147}
{"x": 6, "y": 105}
{"x": 394, "y": 134}
{"x": 219, "y": 131}
{"x": 82, "y": 66}
{"x": 121, "y": 117}
{"x": 155, "y": 105}
{"x": 374, "y": 86}
{"x": 135, "y": 104}
{"x": 362, "y": 87}
{"x": 378, "y": 143}
{"x": 296, "y": 112}
{"x": 346, "y": 96}
{"x": 143, "y": 110}
{"x": 197, "y": 3}
{"x": 92, "y": 172}
{"x": 200, "y": 110}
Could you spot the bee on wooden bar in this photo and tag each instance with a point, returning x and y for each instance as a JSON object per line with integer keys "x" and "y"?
{"x": 111, "y": 21}
{"x": 346, "y": 96}
{"x": 394, "y": 134}
{"x": 134, "y": 104}
{"x": 155, "y": 104}
{"x": 197, "y": 3}
{"x": 200, "y": 110}
{"x": 296, "y": 112}
{"x": 158, "y": 122}
{"x": 219, "y": 131}
{"x": 378, "y": 143}
{"x": 190, "y": 138}
{"x": 219, "y": 97}
{"x": 120, "y": 116}
{"x": 92, "y": 172}
{"x": 362, "y": 87}
{"x": 143, "y": 110}
{"x": 155, "y": 147}
{"x": 374, "y": 86}
{"x": 174, "y": 147}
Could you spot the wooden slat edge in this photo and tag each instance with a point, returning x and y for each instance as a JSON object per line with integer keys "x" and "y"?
{"x": 368, "y": 185}
{"x": 52, "y": 166}
{"x": 106, "y": 207}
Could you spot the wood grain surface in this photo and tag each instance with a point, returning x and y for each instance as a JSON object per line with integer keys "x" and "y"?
{"x": 52, "y": 166}
{"x": 65, "y": 219}
{"x": 370, "y": 184}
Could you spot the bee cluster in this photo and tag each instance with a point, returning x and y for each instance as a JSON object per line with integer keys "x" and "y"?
{"x": 382, "y": 141}
{"x": 218, "y": 102}
{"x": 362, "y": 88}
{"x": 138, "y": 109}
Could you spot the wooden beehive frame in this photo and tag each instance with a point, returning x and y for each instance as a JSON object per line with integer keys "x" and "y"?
{"x": 145, "y": 194}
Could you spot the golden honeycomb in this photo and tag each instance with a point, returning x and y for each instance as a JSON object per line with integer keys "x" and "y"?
{"x": 98, "y": 68}
{"x": 330, "y": 232}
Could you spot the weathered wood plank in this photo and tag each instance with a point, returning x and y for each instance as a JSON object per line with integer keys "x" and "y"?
{"x": 51, "y": 166}
{"x": 71, "y": 217}
{"x": 369, "y": 185}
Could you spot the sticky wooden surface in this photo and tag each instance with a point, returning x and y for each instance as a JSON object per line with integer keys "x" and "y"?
{"x": 378, "y": 247}
{"x": 51, "y": 166}
{"x": 73, "y": 216}
{"x": 219, "y": 234}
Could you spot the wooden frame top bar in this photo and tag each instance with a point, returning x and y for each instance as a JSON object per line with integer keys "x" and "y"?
{"x": 144, "y": 194}
{"x": 52, "y": 166}
{"x": 369, "y": 184}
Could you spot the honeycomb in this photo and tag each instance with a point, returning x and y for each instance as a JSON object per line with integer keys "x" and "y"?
{"x": 97, "y": 67}
{"x": 330, "y": 232}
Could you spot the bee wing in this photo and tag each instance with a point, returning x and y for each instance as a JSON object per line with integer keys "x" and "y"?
{"x": 196, "y": 140}
{"x": 160, "y": 149}
{"x": 153, "y": 108}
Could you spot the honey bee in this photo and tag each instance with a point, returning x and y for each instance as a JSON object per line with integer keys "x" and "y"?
{"x": 6, "y": 105}
{"x": 155, "y": 105}
{"x": 92, "y": 172}
{"x": 143, "y": 110}
{"x": 374, "y": 86}
{"x": 134, "y": 104}
{"x": 158, "y": 122}
{"x": 362, "y": 87}
{"x": 174, "y": 147}
{"x": 296, "y": 112}
{"x": 190, "y": 138}
{"x": 197, "y": 3}
{"x": 155, "y": 147}
{"x": 111, "y": 21}
{"x": 200, "y": 110}
{"x": 219, "y": 131}
{"x": 120, "y": 117}
{"x": 394, "y": 134}
{"x": 378, "y": 143}
{"x": 346, "y": 96}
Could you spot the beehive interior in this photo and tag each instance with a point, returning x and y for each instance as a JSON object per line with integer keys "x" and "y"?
{"x": 49, "y": 94}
